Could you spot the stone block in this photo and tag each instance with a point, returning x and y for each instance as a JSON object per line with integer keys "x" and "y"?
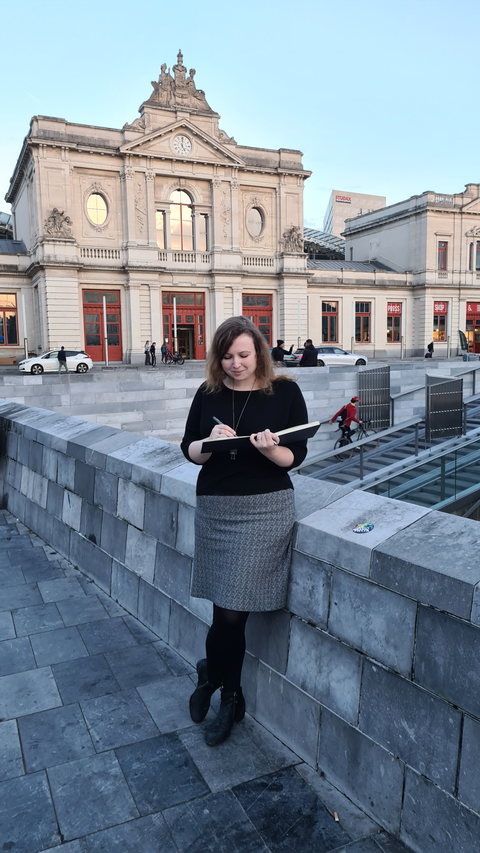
{"x": 39, "y": 491}
{"x": 15, "y": 502}
{"x": 35, "y": 457}
{"x": 172, "y": 573}
{"x": 38, "y": 520}
{"x": 469, "y": 776}
{"x": 55, "y": 499}
{"x": 187, "y": 633}
{"x": 124, "y": 588}
{"x": 114, "y": 536}
{"x": 97, "y": 453}
{"x": 23, "y": 450}
{"x": 18, "y": 477}
{"x": 66, "y": 471}
{"x": 11, "y": 445}
{"x": 153, "y": 609}
{"x": 131, "y": 503}
{"x": 433, "y": 821}
{"x": 309, "y": 588}
{"x": 186, "y": 530}
{"x": 447, "y": 659}
{"x": 326, "y": 669}
{"x": 105, "y": 491}
{"x": 91, "y": 560}
{"x": 311, "y": 494}
{"x": 361, "y": 769}
{"x": 180, "y": 483}
{"x": 140, "y": 553}
{"x": 374, "y": 620}
{"x": 145, "y": 461}
{"x": 77, "y": 447}
{"x": 84, "y": 480}
{"x": 59, "y": 536}
{"x": 160, "y": 518}
{"x": 27, "y": 478}
{"x": 424, "y": 562}
{"x": 267, "y": 636}
{"x": 288, "y": 712}
{"x": 91, "y": 522}
{"x": 423, "y": 731}
{"x": 328, "y": 533}
{"x": 72, "y": 509}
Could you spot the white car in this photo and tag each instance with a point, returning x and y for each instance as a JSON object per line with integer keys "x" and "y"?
{"x": 333, "y": 356}
{"x": 77, "y": 361}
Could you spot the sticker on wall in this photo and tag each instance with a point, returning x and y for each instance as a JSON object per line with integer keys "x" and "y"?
{"x": 366, "y": 527}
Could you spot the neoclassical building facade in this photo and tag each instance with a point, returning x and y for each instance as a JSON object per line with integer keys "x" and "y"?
{"x": 170, "y": 206}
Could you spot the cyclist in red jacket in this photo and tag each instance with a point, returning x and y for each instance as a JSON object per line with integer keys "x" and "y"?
{"x": 347, "y": 414}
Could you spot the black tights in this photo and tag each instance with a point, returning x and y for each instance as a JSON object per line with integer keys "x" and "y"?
{"x": 226, "y": 648}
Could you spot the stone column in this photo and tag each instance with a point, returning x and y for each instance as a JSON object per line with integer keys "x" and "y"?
{"x": 216, "y": 223}
{"x": 234, "y": 213}
{"x": 127, "y": 176}
{"x": 151, "y": 211}
{"x": 156, "y": 314}
{"x": 134, "y": 348}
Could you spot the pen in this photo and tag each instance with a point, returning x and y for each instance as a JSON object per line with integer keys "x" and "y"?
{"x": 217, "y": 421}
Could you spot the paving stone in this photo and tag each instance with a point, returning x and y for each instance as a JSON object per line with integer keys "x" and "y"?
{"x": 388, "y": 844}
{"x": 118, "y": 719}
{"x": 213, "y": 824}
{"x": 168, "y": 701}
{"x": 28, "y": 692}
{"x": 80, "y": 610}
{"x": 176, "y": 664}
{"x": 105, "y": 636}
{"x": 138, "y": 665}
{"x": 142, "y": 635}
{"x": 24, "y": 595}
{"x": 97, "y": 784}
{"x": 148, "y": 834}
{"x": 288, "y": 815}
{"x": 352, "y": 819}
{"x": 274, "y": 750}
{"x": 85, "y": 678}
{"x": 27, "y": 817}
{"x": 41, "y": 617}
{"x": 160, "y": 773}
{"x": 113, "y": 609}
{"x": 42, "y": 570}
{"x": 59, "y": 590}
{"x": 363, "y": 845}
{"x": 57, "y": 646}
{"x": 11, "y": 576}
{"x": 422, "y": 730}
{"x": 54, "y": 737}
{"x": 11, "y": 763}
{"x": 77, "y": 846}
{"x": 7, "y": 630}
{"x": 16, "y": 656}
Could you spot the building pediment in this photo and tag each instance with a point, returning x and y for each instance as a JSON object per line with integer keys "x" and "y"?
{"x": 182, "y": 140}
{"x": 472, "y": 206}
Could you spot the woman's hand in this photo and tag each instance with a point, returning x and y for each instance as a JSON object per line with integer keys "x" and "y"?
{"x": 267, "y": 443}
{"x": 195, "y": 448}
{"x": 222, "y": 431}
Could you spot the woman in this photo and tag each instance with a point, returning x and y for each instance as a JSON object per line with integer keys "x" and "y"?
{"x": 245, "y": 508}
{"x": 147, "y": 352}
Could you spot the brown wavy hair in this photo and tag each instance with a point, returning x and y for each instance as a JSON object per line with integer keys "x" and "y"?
{"x": 224, "y": 336}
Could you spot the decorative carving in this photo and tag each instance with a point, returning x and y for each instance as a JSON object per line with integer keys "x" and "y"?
{"x": 225, "y": 213}
{"x": 474, "y": 232}
{"x": 293, "y": 240}
{"x": 179, "y": 92}
{"x": 138, "y": 124}
{"x": 127, "y": 173}
{"x": 216, "y": 183}
{"x": 234, "y": 184}
{"x": 140, "y": 206}
{"x": 224, "y": 137}
{"x": 58, "y": 225}
{"x": 150, "y": 175}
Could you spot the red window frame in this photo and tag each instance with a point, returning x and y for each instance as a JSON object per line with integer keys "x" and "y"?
{"x": 394, "y": 322}
{"x": 185, "y": 312}
{"x": 362, "y": 322}
{"x": 440, "y": 316}
{"x": 442, "y": 254}
{"x": 329, "y": 322}
{"x": 9, "y": 311}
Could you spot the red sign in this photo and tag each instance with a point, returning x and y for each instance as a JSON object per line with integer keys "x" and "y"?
{"x": 394, "y": 307}
{"x": 440, "y": 307}
{"x": 345, "y": 199}
{"x": 473, "y": 309}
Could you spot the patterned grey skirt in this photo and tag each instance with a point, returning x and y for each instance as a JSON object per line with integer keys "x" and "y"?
{"x": 243, "y": 550}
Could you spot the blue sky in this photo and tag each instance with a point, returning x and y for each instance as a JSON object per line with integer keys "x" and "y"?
{"x": 380, "y": 95}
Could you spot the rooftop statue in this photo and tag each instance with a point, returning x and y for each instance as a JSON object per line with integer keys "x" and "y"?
{"x": 180, "y": 90}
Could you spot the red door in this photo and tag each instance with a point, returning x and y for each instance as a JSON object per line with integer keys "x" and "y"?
{"x": 94, "y": 325}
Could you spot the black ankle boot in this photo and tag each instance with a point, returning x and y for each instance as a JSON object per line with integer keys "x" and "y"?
{"x": 232, "y": 710}
{"x": 200, "y": 698}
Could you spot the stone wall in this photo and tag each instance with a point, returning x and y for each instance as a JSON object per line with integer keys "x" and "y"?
{"x": 371, "y": 674}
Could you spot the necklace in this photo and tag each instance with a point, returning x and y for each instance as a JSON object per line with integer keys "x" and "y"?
{"x": 233, "y": 453}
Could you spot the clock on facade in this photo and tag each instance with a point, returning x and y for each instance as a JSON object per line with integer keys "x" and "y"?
{"x": 182, "y": 145}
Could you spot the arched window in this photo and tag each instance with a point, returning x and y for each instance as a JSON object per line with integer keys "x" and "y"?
{"x": 181, "y": 221}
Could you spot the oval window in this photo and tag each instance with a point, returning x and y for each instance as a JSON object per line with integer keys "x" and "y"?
{"x": 255, "y": 221}
{"x": 97, "y": 208}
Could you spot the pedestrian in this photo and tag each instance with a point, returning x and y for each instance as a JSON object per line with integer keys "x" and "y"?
{"x": 164, "y": 350}
{"x": 245, "y": 509}
{"x": 278, "y": 352}
{"x": 62, "y": 360}
{"x": 429, "y": 352}
{"x": 152, "y": 354}
{"x": 147, "y": 352}
{"x": 347, "y": 414}
{"x": 309, "y": 357}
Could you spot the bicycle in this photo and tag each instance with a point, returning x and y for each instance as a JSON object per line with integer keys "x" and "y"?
{"x": 170, "y": 358}
{"x": 346, "y": 446}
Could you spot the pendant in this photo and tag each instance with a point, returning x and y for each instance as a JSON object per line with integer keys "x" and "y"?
{"x": 233, "y": 455}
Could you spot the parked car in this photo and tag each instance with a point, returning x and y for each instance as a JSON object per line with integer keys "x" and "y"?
{"x": 77, "y": 361}
{"x": 330, "y": 355}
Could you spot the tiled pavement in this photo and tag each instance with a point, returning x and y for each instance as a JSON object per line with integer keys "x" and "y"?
{"x": 97, "y": 750}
